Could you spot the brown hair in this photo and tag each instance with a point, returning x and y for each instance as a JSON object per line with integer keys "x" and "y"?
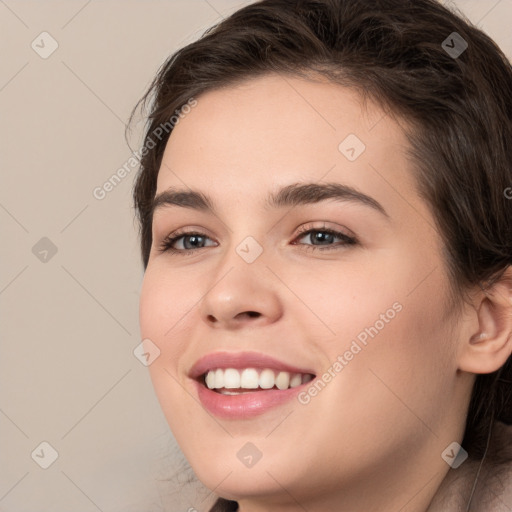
{"x": 392, "y": 51}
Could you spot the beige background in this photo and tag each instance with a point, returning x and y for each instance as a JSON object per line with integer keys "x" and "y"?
{"x": 69, "y": 323}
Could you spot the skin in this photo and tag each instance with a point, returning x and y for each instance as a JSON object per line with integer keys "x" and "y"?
{"x": 372, "y": 439}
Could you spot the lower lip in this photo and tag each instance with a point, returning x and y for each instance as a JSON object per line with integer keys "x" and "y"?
{"x": 245, "y": 405}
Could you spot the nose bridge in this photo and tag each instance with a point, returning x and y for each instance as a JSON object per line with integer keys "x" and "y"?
{"x": 242, "y": 267}
{"x": 246, "y": 241}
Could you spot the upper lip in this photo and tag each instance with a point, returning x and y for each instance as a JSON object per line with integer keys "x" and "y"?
{"x": 241, "y": 360}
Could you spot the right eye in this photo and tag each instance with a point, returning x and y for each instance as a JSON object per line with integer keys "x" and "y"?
{"x": 192, "y": 241}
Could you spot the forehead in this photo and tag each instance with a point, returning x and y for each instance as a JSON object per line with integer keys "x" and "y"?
{"x": 277, "y": 116}
{"x": 265, "y": 133}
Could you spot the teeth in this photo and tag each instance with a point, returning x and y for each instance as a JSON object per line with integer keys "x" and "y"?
{"x": 210, "y": 380}
{"x": 296, "y": 380}
{"x": 249, "y": 378}
{"x": 283, "y": 380}
{"x": 267, "y": 379}
{"x": 231, "y": 379}
{"x": 219, "y": 378}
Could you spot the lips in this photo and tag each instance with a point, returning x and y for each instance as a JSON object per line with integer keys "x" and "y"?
{"x": 222, "y": 390}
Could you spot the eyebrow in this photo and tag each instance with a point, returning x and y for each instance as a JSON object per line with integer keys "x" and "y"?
{"x": 292, "y": 195}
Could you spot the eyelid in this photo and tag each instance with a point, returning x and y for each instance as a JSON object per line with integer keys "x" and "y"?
{"x": 342, "y": 230}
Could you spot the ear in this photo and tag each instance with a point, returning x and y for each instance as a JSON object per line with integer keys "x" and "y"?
{"x": 490, "y": 345}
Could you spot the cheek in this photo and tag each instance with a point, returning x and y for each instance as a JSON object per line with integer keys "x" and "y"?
{"x": 167, "y": 297}
{"x": 163, "y": 315}
{"x": 326, "y": 287}
{"x": 385, "y": 321}
{"x": 400, "y": 361}
{"x": 164, "y": 312}
{"x": 341, "y": 302}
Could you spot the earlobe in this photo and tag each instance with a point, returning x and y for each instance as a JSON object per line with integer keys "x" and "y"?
{"x": 488, "y": 349}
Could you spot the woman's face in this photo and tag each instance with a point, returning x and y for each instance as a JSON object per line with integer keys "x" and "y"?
{"x": 364, "y": 311}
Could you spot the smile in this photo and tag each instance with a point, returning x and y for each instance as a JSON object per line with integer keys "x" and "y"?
{"x": 244, "y": 385}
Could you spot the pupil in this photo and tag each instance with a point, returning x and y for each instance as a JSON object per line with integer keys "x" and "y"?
{"x": 191, "y": 238}
{"x": 323, "y": 237}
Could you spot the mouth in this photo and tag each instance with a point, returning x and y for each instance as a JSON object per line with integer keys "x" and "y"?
{"x": 243, "y": 385}
{"x": 233, "y": 381}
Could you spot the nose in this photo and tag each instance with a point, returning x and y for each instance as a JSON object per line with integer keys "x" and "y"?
{"x": 244, "y": 294}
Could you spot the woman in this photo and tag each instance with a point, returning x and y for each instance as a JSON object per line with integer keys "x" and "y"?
{"x": 327, "y": 244}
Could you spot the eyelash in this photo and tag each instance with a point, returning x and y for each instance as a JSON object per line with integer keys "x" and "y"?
{"x": 168, "y": 242}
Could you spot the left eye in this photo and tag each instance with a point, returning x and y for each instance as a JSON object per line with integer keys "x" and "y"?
{"x": 192, "y": 241}
{"x": 325, "y": 237}
{"x": 195, "y": 241}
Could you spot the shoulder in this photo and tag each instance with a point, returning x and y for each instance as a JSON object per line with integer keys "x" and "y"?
{"x": 498, "y": 471}
{"x": 489, "y": 480}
